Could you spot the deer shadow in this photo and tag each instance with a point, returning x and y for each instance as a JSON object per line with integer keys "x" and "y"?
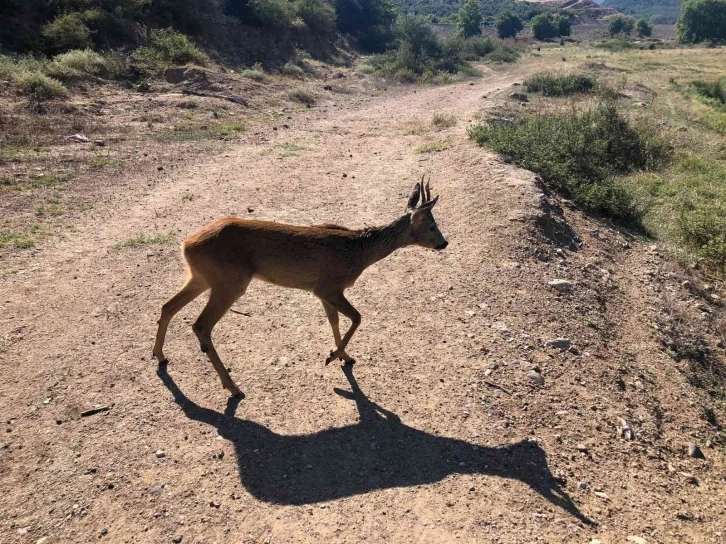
{"x": 378, "y": 452}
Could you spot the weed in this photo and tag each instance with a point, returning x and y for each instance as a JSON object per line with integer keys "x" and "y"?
{"x": 145, "y": 240}
{"x": 39, "y": 88}
{"x": 579, "y": 153}
{"x": 76, "y": 64}
{"x": 560, "y": 85}
{"x": 292, "y": 70}
{"x": 168, "y": 47}
{"x": 430, "y": 147}
{"x": 254, "y": 75}
{"x": 49, "y": 180}
{"x": 104, "y": 162}
{"x": 443, "y": 120}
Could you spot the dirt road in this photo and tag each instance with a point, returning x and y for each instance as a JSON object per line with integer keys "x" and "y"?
{"x": 440, "y": 433}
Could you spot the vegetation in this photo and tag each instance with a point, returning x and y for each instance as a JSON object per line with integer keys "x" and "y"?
{"x": 168, "y": 47}
{"x": 560, "y": 85}
{"x": 702, "y": 21}
{"x": 643, "y": 28}
{"x": 658, "y": 11}
{"x": 712, "y": 92}
{"x": 440, "y": 11}
{"x": 319, "y": 16}
{"x": 508, "y": 25}
{"x": 145, "y": 240}
{"x": 579, "y": 153}
{"x": 546, "y": 26}
{"x": 620, "y": 25}
{"x": 469, "y": 19}
{"x": 443, "y": 120}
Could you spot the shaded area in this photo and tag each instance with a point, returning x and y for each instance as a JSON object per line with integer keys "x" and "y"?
{"x": 378, "y": 452}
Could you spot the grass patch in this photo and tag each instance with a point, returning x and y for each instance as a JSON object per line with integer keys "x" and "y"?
{"x": 550, "y": 84}
{"x": 686, "y": 204}
{"x": 16, "y": 240}
{"x": 77, "y": 64}
{"x": 579, "y": 153}
{"x": 190, "y": 133}
{"x": 38, "y": 87}
{"x": 712, "y": 93}
{"x": 443, "y": 120}
{"x": 292, "y": 70}
{"x": 144, "y": 240}
{"x": 432, "y": 147}
{"x": 169, "y": 48}
{"x": 49, "y": 180}
{"x": 254, "y": 75}
{"x": 104, "y": 162}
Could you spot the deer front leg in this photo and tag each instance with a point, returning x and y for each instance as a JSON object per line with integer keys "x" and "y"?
{"x": 333, "y": 304}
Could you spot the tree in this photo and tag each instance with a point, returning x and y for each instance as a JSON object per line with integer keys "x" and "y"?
{"x": 643, "y": 28}
{"x": 702, "y": 21}
{"x": 620, "y": 25}
{"x": 469, "y": 19}
{"x": 508, "y": 25}
{"x": 564, "y": 25}
{"x": 544, "y": 27}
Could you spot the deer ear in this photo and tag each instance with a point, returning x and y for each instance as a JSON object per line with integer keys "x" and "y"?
{"x": 413, "y": 199}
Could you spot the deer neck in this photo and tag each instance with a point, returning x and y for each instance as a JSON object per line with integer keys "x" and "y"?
{"x": 380, "y": 242}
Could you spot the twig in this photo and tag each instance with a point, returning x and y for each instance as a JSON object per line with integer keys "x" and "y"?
{"x": 95, "y": 411}
{"x": 497, "y": 386}
{"x": 246, "y": 314}
{"x": 234, "y": 99}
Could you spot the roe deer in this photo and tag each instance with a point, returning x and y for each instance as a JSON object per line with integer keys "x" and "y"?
{"x": 324, "y": 259}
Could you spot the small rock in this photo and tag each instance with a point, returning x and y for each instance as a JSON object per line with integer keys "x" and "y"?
{"x": 582, "y": 448}
{"x": 625, "y": 430}
{"x": 601, "y": 495}
{"x": 637, "y": 540}
{"x": 685, "y": 516}
{"x": 573, "y": 350}
{"x": 99, "y": 143}
{"x": 694, "y": 451}
{"x": 582, "y": 485}
{"x": 214, "y": 504}
{"x": 177, "y": 540}
{"x": 563, "y": 286}
{"x": 596, "y": 541}
{"x": 250, "y": 210}
{"x": 536, "y": 378}
{"x": 104, "y": 531}
{"x": 42, "y": 540}
{"x": 160, "y": 454}
{"x": 559, "y": 343}
{"x": 79, "y": 138}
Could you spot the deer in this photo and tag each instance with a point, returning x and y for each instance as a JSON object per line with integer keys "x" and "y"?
{"x": 226, "y": 255}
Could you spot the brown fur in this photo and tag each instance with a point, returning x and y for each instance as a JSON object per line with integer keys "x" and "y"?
{"x": 325, "y": 259}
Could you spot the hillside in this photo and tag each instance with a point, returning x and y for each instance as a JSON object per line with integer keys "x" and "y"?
{"x": 658, "y": 11}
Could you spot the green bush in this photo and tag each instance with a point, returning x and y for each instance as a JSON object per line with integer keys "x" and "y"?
{"x": 702, "y": 21}
{"x": 273, "y": 13}
{"x": 560, "y": 85}
{"x": 620, "y": 25}
{"x": 38, "y": 87}
{"x": 508, "y": 25}
{"x": 371, "y": 22}
{"x": 168, "y": 47}
{"x": 579, "y": 153}
{"x": 469, "y": 19}
{"x": 643, "y": 28}
{"x": 76, "y": 64}
{"x": 318, "y": 15}
{"x": 293, "y": 70}
{"x": 66, "y": 32}
{"x": 503, "y": 54}
{"x": 564, "y": 25}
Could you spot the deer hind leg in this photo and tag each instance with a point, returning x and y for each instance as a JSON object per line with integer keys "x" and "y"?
{"x": 194, "y": 287}
{"x": 220, "y": 300}
{"x": 338, "y": 303}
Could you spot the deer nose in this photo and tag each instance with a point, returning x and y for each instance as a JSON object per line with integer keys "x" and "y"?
{"x": 442, "y": 246}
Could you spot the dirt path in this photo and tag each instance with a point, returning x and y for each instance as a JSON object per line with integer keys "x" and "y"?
{"x": 414, "y": 445}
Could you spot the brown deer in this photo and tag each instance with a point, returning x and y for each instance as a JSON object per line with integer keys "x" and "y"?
{"x": 324, "y": 259}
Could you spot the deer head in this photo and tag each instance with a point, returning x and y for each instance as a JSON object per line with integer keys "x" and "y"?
{"x": 423, "y": 230}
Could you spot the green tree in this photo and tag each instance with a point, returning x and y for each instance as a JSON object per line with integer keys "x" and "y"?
{"x": 643, "y": 27}
{"x": 469, "y": 19}
{"x": 544, "y": 27}
{"x": 508, "y": 25}
{"x": 370, "y": 21}
{"x": 564, "y": 25}
{"x": 620, "y": 25}
{"x": 702, "y": 21}
{"x": 318, "y": 15}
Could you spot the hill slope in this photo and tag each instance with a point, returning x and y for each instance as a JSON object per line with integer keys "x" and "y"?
{"x": 658, "y": 11}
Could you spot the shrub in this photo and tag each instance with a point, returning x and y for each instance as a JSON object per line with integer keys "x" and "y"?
{"x": 643, "y": 28}
{"x": 292, "y": 70}
{"x": 503, "y": 53}
{"x": 508, "y": 25}
{"x": 544, "y": 27}
{"x": 39, "y": 88}
{"x": 273, "y": 13}
{"x": 702, "y": 21}
{"x": 443, "y": 120}
{"x": 254, "y": 74}
{"x": 370, "y": 21}
{"x": 560, "y": 85}
{"x": 579, "y": 153}
{"x": 318, "y": 15}
{"x": 303, "y": 96}
{"x": 469, "y": 19}
{"x": 620, "y": 25}
{"x": 76, "y": 64}
{"x": 66, "y": 32}
{"x": 166, "y": 46}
